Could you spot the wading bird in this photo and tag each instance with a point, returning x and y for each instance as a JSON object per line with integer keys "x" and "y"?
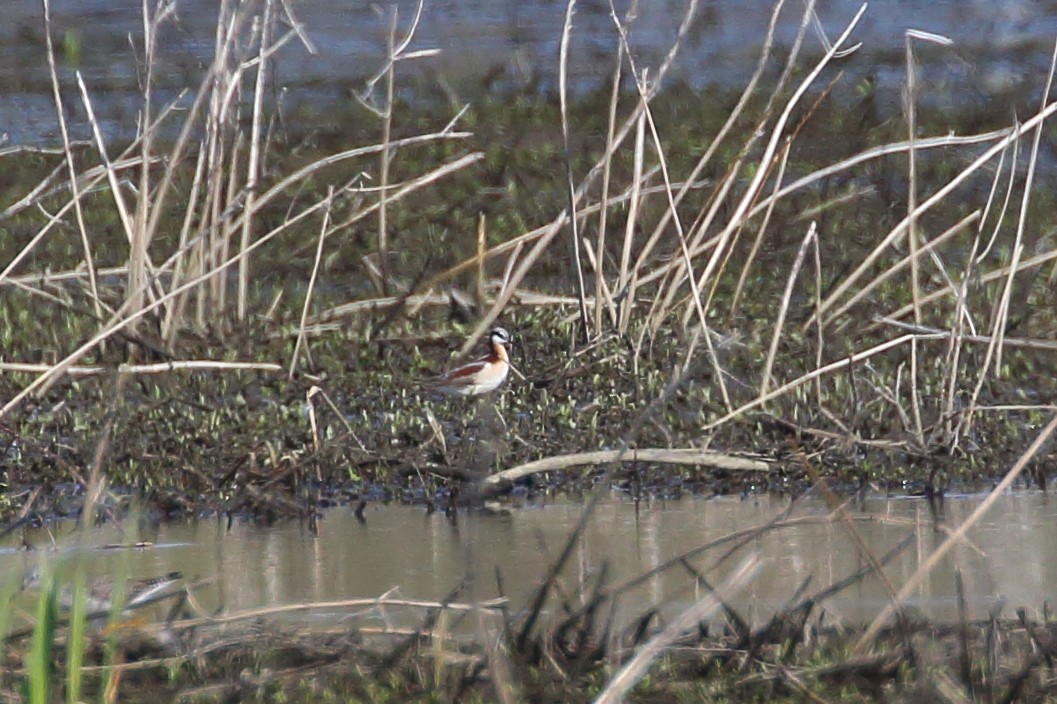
{"x": 481, "y": 376}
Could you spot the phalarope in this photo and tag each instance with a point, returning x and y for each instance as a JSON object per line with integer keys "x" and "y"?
{"x": 481, "y": 376}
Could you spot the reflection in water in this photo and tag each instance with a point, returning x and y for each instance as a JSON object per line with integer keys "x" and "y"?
{"x": 425, "y": 556}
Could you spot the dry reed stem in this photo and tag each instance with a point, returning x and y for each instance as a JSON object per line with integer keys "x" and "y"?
{"x": 641, "y": 86}
{"x": 222, "y": 248}
{"x": 607, "y": 295}
{"x": 1006, "y": 408}
{"x": 521, "y": 297}
{"x": 912, "y": 198}
{"x": 797, "y": 684}
{"x": 994, "y": 349}
{"x": 900, "y": 229}
{"x": 1040, "y": 344}
{"x": 547, "y": 233}
{"x": 138, "y": 265}
{"x": 876, "y": 153}
{"x": 518, "y": 242}
{"x": 754, "y": 250}
{"x": 945, "y": 547}
{"x": 910, "y": 109}
{"x": 625, "y": 285}
{"x": 962, "y": 316}
{"x": 757, "y": 133}
{"x": 318, "y": 391}
{"x": 570, "y": 186}
{"x": 964, "y": 425}
{"x": 912, "y": 233}
{"x": 223, "y": 146}
{"x": 820, "y": 338}
{"x": 635, "y": 669}
{"x": 699, "y": 243}
{"x": 738, "y": 216}
{"x": 307, "y": 171}
{"x": 821, "y": 371}
{"x": 399, "y": 53}
{"x": 516, "y": 276}
{"x": 42, "y": 190}
{"x": 673, "y": 270}
{"x": 1014, "y": 159}
{"x": 728, "y": 125}
{"x": 116, "y": 323}
{"x": 371, "y": 604}
{"x": 133, "y": 369}
{"x": 688, "y": 456}
{"x": 396, "y": 51}
{"x": 603, "y": 211}
{"x": 93, "y": 175}
{"x": 311, "y": 284}
{"x": 190, "y": 120}
{"x": 139, "y": 243}
{"x": 254, "y": 163}
{"x": 51, "y": 298}
{"x": 385, "y": 154}
{"x": 218, "y": 79}
{"x": 31, "y": 149}
{"x": 995, "y": 275}
{"x": 482, "y": 247}
{"x": 71, "y": 168}
{"x": 845, "y": 434}
{"x": 1000, "y": 321}
{"x": 398, "y": 193}
{"x": 33, "y": 242}
{"x": 787, "y": 296}
{"x": 180, "y": 264}
{"x": 909, "y": 259}
{"x": 49, "y": 278}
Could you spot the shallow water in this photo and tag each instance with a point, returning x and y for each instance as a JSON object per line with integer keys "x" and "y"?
{"x": 1008, "y": 565}
{"x": 997, "y": 44}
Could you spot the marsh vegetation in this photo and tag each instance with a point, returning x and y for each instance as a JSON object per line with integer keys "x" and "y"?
{"x": 775, "y": 288}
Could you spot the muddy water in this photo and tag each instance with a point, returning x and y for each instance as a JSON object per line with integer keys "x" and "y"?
{"x": 1009, "y": 563}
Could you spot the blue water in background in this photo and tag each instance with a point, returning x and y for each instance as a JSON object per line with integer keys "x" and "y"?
{"x": 997, "y": 45}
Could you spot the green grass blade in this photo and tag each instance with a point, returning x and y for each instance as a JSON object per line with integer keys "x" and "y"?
{"x": 38, "y": 662}
{"x": 75, "y": 639}
{"x": 7, "y": 593}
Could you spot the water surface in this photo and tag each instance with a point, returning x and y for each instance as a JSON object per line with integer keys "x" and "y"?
{"x": 997, "y": 44}
{"x": 1009, "y": 563}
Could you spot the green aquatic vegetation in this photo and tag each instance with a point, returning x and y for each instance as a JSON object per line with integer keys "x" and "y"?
{"x": 39, "y": 656}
